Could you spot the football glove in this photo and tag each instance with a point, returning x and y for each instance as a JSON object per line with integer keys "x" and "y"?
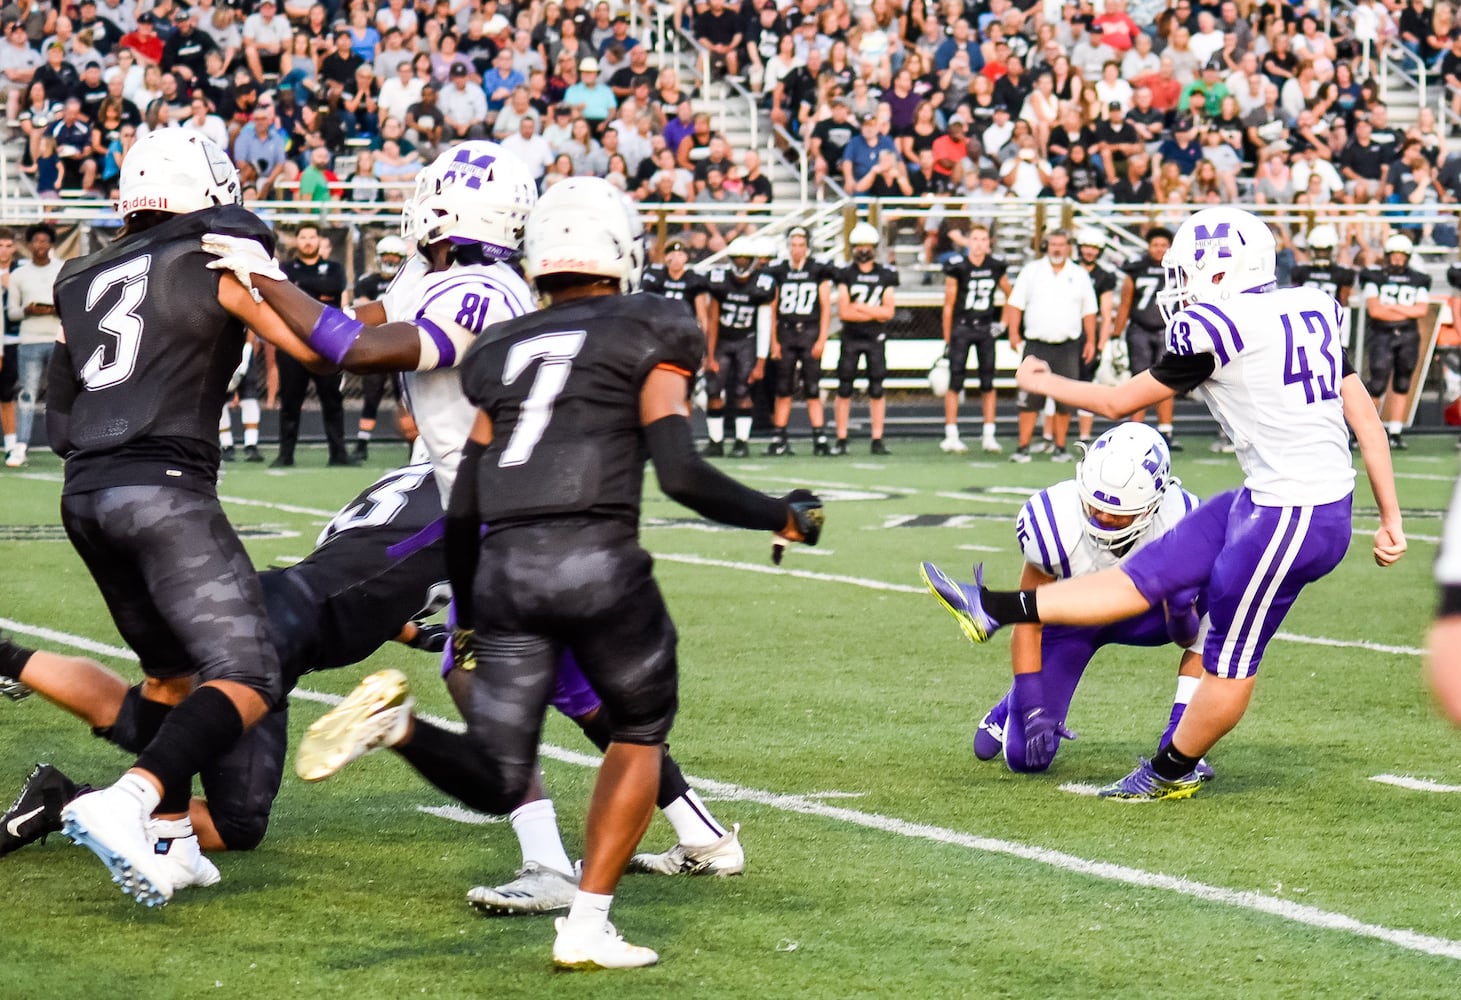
{"x": 461, "y": 655}
{"x": 807, "y": 516}
{"x": 1043, "y": 734}
{"x": 243, "y": 257}
{"x": 429, "y": 638}
{"x": 1183, "y": 619}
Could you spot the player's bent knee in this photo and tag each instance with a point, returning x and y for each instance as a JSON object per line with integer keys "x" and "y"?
{"x": 240, "y": 832}
{"x": 1375, "y": 386}
{"x": 1401, "y": 384}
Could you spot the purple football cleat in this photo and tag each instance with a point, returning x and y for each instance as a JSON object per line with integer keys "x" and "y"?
{"x": 962, "y": 600}
{"x": 1145, "y": 785}
{"x": 1203, "y": 771}
{"x": 989, "y": 737}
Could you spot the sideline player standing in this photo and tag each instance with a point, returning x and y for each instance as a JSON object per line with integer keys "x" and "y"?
{"x": 573, "y": 399}
{"x": 390, "y": 253}
{"x": 971, "y": 320}
{"x": 134, "y": 392}
{"x": 1090, "y": 243}
{"x": 1396, "y": 298}
{"x": 801, "y": 316}
{"x": 735, "y": 359}
{"x": 1268, "y": 364}
{"x": 1323, "y": 271}
{"x": 674, "y": 279}
{"x": 865, "y": 305}
{"x": 1140, "y": 317}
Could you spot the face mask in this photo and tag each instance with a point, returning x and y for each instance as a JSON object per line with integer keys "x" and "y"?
{"x": 864, "y": 255}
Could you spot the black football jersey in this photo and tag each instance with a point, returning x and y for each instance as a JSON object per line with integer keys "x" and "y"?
{"x": 371, "y": 287}
{"x": 797, "y": 287}
{"x": 376, "y": 566}
{"x": 561, "y": 387}
{"x": 151, "y": 351}
{"x": 739, "y": 302}
{"x": 1148, "y": 277}
{"x": 974, "y": 298}
{"x": 866, "y": 288}
{"x": 1327, "y": 277}
{"x": 1404, "y": 288}
{"x": 1103, "y": 279}
{"x": 687, "y": 287}
{"x": 1453, "y": 276}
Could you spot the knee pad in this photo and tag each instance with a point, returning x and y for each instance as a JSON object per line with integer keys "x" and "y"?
{"x": 123, "y": 732}
{"x": 1400, "y": 383}
{"x": 241, "y": 833}
{"x": 1375, "y": 385}
{"x": 844, "y": 388}
{"x": 875, "y": 389}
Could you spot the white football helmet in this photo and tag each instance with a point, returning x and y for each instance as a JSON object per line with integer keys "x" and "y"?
{"x": 475, "y": 192}
{"x": 1323, "y": 238}
{"x": 177, "y": 171}
{"x": 1125, "y": 472}
{"x": 1399, "y": 243}
{"x": 582, "y": 226}
{"x": 1090, "y": 236}
{"x": 1217, "y": 254}
{"x": 939, "y": 379}
{"x": 742, "y": 253}
{"x": 864, "y": 234}
{"x": 390, "y": 246}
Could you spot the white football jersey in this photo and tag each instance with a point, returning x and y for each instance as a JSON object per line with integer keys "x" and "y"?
{"x": 1448, "y": 562}
{"x": 1051, "y": 530}
{"x": 471, "y": 297}
{"x": 1275, "y": 390}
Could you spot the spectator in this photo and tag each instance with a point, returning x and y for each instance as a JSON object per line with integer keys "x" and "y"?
{"x": 1185, "y": 60}
{"x": 1209, "y": 85}
{"x": 263, "y": 147}
{"x": 695, "y": 146}
{"x": 393, "y": 54}
{"x": 527, "y": 145}
{"x": 202, "y": 121}
{"x": 525, "y": 58}
{"x": 719, "y": 234}
{"x": 718, "y": 157}
{"x": 1140, "y": 60}
{"x": 718, "y": 30}
{"x": 587, "y": 156}
{"x": 266, "y": 35}
{"x": 630, "y": 78}
{"x": 755, "y": 186}
{"x": 399, "y": 92}
{"x": 1207, "y": 40}
{"x": 1087, "y": 55}
{"x": 1309, "y": 166}
{"x": 1299, "y": 90}
{"x": 592, "y": 99}
{"x": 1116, "y": 140}
{"x": 186, "y": 52}
{"x": 1362, "y": 164}
{"x": 144, "y": 43}
{"x": 862, "y": 151}
{"x": 1273, "y": 182}
{"x": 499, "y": 82}
{"x": 1135, "y": 186}
{"x": 18, "y": 65}
{"x": 318, "y": 182}
{"x": 31, "y": 303}
{"x": 464, "y": 108}
{"x": 73, "y": 147}
{"x": 996, "y": 137}
{"x": 961, "y": 39}
{"x": 1025, "y": 173}
{"x": 1115, "y": 29}
{"x": 424, "y": 122}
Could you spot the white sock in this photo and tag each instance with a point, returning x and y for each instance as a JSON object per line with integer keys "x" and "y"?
{"x": 225, "y": 438}
{"x": 743, "y": 428}
{"x": 1393, "y": 426}
{"x": 362, "y": 435}
{"x": 10, "y": 442}
{"x": 536, "y": 826}
{"x": 951, "y": 432}
{"x": 989, "y": 431}
{"x": 715, "y": 428}
{"x": 693, "y": 823}
{"x": 248, "y": 412}
{"x": 1186, "y": 688}
{"x": 141, "y": 789}
{"x": 1164, "y": 429}
{"x": 590, "y": 910}
{"x": 251, "y": 436}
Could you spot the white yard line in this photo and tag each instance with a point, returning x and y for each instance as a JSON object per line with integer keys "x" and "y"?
{"x": 803, "y": 574}
{"x": 1076, "y": 788}
{"x": 1414, "y": 784}
{"x": 287, "y": 508}
{"x": 458, "y": 814}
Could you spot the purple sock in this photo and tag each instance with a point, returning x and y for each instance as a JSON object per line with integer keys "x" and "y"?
{"x": 1166, "y": 740}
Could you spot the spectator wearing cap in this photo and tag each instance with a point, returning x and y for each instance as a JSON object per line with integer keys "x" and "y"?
{"x": 92, "y": 90}
{"x": 619, "y": 35}
{"x": 950, "y": 150}
{"x": 1086, "y": 53}
{"x": 961, "y": 39}
{"x": 186, "y": 52}
{"x": 464, "y": 107}
{"x": 1001, "y": 130}
{"x": 718, "y": 30}
{"x": 863, "y": 150}
{"x": 1182, "y": 147}
{"x": 591, "y": 97}
{"x": 1210, "y": 86}
{"x": 1116, "y": 140}
{"x": 144, "y": 43}
{"x": 266, "y": 36}
{"x": 500, "y": 81}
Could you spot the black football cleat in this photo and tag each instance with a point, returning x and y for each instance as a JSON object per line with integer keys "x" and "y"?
{"x": 229, "y": 454}
{"x": 741, "y": 449}
{"x": 779, "y": 446}
{"x": 879, "y": 448}
{"x": 251, "y": 453}
{"x": 840, "y": 448}
{"x": 820, "y": 446}
{"x": 36, "y": 811}
{"x": 714, "y": 449}
{"x": 362, "y": 449}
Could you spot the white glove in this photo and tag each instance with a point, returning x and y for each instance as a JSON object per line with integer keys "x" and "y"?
{"x": 245, "y": 258}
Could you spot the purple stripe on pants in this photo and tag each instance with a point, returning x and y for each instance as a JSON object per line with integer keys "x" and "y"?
{"x": 1252, "y": 561}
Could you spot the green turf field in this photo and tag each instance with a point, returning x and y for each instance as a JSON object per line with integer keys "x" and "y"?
{"x": 828, "y": 708}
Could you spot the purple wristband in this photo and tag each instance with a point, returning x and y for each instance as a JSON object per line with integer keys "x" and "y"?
{"x": 333, "y": 334}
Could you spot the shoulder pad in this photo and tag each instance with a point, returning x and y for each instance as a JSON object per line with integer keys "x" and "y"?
{"x": 952, "y": 266}
{"x": 1048, "y": 529}
{"x": 717, "y": 276}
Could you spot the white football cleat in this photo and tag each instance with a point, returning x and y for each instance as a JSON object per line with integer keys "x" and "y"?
{"x": 176, "y": 847}
{"x": 112, "y": 824}
{"x": 375, "y": 715}
{"x": 16, "y": 458}
{"x": 991, "y": 446}
{"x": 535, "y": 890}
{"x": 602, "y": 948}
{"x": 724, "y": 857}
{"x": 953, "y": 446}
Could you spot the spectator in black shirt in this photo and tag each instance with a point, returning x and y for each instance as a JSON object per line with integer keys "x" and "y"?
{"x": 1134, "y": 187}
{"x": 1362, "y": 164}
{"x": 719, "y": 30}
{"x": 339, "y": 66}
{"x": 830, "y": 137}
{"x": 628, "y": 79}
{"x": 186, "y": 52}
{"x": 1116, "y": 140}
{"x": 1012, "y": 88}
{"x": 56, "y": 75}
{"x": 92, "y": 90}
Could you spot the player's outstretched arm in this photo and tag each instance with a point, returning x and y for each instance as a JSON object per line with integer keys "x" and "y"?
{"x": 1110, "y": 401}
{"x": 688, "y": 479}
{"x": 1359, "y": 411}
{"x": 267, "y": 323}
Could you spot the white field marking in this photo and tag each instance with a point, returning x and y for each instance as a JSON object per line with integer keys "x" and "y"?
{"x": 980, "y": 548}
{"x": 1374, "y": 647}
{"x": 288, "y": 560}
{"x": 803, "y": 550}
{"x": 1076, "y": 788}
{"x": 753, "y": 468}
{"x": 986, "y": 465}
{"x": 1414, "y": 784}
{"x": 835, "y": 795}
{"x": 1284, "y": 909}
{"x": 982, "y": 498}
{"x": 67, "y": 639}
{"x": 458, "y": 814}
{"x": 869, "y": 466}
{"x": 287, "y": 508}
{"x": 43, "y": 477}
{"x": 1369, "y": 532}
{"x": 856, "y": 581}
{"x": 1429, "y": 477}
{"x": 1427, "y": 459}
{"x": 827, "y": 484}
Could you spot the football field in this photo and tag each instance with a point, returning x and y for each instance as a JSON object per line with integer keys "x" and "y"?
{"x": 827, "y": 706}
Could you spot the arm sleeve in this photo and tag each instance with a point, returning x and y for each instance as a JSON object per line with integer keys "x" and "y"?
{"x": 1183, "y": 372}
{"x": 463, "y": 532}
{"x": 60, "y": 394}
{"x": 688, "y": 479}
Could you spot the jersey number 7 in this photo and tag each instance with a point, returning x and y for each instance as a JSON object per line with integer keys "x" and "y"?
{"x": 556, "y": 351}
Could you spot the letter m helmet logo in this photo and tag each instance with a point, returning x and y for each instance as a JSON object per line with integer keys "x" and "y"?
{"x": 472, "y": 170}
{"x": 1215, "y": 240}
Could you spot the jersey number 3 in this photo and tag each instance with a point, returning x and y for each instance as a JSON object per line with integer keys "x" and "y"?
{"x": 121, "y": 322}
{"x": 556, "y": 351}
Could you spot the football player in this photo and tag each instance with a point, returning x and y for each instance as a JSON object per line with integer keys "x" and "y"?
{"x": 1268, "y": 364}
{"x": 133, "y": 395}
{"x": 1090, "y": 244}
{"x": 736, "y": 356}
{"x": 249, "y": 382}
{"x": 1140, "y": 319}
{"x": 801, "y": 316}
{"x": 390, "y": 253}
{"x": 674, "y": 279}
{"x": 562, "y": 567}
{"x": 971, "y": 320}
{"x": 1396, "y": 298}
{"x": 865, "y": 304}
{"x": 1323, "y": 271}
{"x": 1122, "y": 497}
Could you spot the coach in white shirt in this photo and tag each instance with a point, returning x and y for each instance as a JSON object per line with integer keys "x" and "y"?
{"x": 1053, "y": 309}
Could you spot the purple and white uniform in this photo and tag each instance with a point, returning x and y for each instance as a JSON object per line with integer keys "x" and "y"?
{"x": 1050, "y": 531}
{"x": 1274, "y": 366}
